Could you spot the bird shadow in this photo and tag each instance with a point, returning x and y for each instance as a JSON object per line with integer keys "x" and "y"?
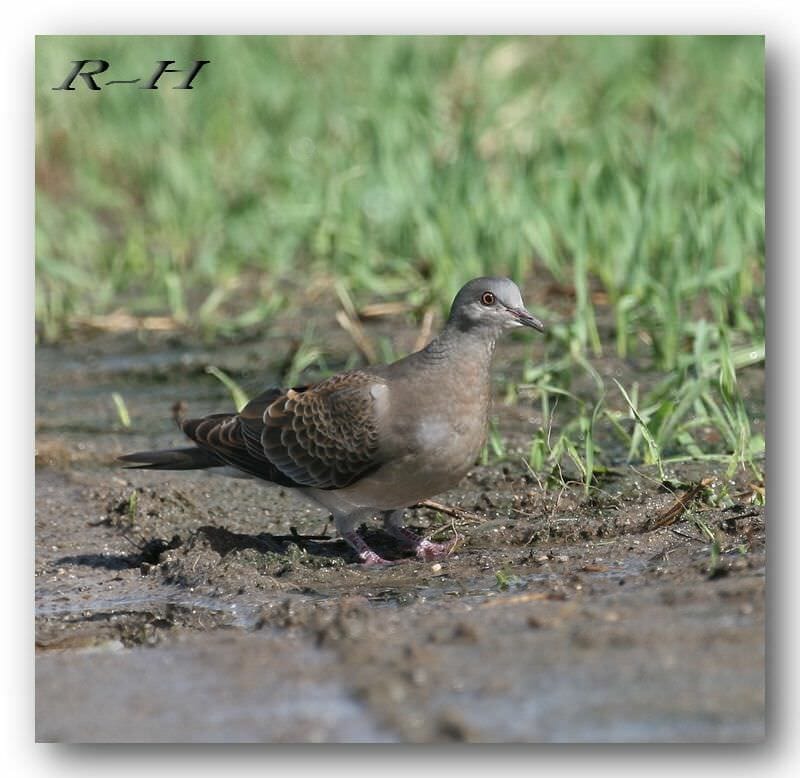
{"x": 224, "y": 541}
{"x": 99, "y": 561}
{"x": 147, "y": 551}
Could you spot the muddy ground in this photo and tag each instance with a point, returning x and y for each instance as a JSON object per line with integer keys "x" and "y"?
{"x": 189, "y": 607}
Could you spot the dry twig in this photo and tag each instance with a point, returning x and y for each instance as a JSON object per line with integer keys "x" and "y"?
{"x": 425, "y": 330}
{"x": 449, "y": 510}
{"x": 353, "y": 328}
{"x": 682, "y": 502}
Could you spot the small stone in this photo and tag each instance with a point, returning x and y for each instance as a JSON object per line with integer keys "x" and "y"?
{"x": 395, "y": 691}
{"x": 465, "y": 632}
{"x": 452, "y": 727}
{"x": 594, "y": 567}
{"x": 419, "y": 677}
{"x": 436, "y": 568}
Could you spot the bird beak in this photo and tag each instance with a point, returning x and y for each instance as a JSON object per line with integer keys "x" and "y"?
{"x": 525, "y": 319}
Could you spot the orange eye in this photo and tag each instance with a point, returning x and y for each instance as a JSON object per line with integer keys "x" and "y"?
{"x": 487, "y": 298}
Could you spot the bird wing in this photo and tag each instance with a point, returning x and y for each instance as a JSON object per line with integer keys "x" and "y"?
{"x": 324, "y": 435}
{"x": 222, "y": 435}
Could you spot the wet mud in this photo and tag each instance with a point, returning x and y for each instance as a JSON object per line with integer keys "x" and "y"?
{"x": 190, "y": 607}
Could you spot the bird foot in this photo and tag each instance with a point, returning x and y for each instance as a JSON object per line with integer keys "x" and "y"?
{"x": 371, "y": 559}
{"x": 428, "y": 551}
{"x": 365, "y": 553}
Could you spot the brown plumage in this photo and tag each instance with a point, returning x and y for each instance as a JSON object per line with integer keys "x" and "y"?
{"x": 377, "y": 439}
{"x": 326, "y": 435}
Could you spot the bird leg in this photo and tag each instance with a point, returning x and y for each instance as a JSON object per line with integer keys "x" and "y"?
{"x": 365, "y": 553}
{"x": 425, "y": 549}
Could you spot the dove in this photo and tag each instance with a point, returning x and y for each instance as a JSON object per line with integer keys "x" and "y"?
{"x": 374, "y": 440}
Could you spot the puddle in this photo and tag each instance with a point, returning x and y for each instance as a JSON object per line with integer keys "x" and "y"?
{"x": 208, "y": 688}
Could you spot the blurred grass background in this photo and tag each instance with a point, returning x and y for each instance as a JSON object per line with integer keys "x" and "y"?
{"x": 628, "y": 171}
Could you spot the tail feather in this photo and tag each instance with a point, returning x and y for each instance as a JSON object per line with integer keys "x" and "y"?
{"x": 190, "y": 458}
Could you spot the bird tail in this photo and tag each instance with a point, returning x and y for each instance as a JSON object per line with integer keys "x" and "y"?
{"x": 190, "y": 458}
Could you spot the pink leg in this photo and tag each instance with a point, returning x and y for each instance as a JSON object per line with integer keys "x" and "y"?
{"x": 426, "y": 550}
{"x": 365, "y": 553}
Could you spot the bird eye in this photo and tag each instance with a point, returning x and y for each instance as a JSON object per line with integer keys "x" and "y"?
{"x": 487, "y": 298}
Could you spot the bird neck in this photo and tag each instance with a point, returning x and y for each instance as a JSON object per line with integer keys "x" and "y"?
{"x": 467, "y": 347}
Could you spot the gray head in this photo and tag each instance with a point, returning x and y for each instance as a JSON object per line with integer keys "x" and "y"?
{"x": 491, "y": 305}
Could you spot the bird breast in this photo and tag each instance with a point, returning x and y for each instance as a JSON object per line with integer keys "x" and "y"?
{"x": 430, "y": 446}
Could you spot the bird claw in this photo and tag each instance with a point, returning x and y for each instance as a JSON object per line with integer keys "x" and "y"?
{"x": 371, "y": 559}
{"x": 428, "y": 551}
{"x": 367, "y": 556}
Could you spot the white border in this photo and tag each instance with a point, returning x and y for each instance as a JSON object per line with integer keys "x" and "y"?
{"x": 779, "y": 20}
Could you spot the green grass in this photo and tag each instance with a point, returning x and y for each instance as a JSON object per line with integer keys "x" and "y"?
{"x": 629, "y": 170}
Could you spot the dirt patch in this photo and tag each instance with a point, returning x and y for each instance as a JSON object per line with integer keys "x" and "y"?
{"x": 175, "y": 606}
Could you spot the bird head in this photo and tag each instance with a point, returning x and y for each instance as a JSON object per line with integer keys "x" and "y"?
{"x": 491, "y": 305}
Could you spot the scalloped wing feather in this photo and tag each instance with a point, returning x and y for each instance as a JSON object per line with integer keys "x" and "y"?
{"x": 326, "y": 435}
